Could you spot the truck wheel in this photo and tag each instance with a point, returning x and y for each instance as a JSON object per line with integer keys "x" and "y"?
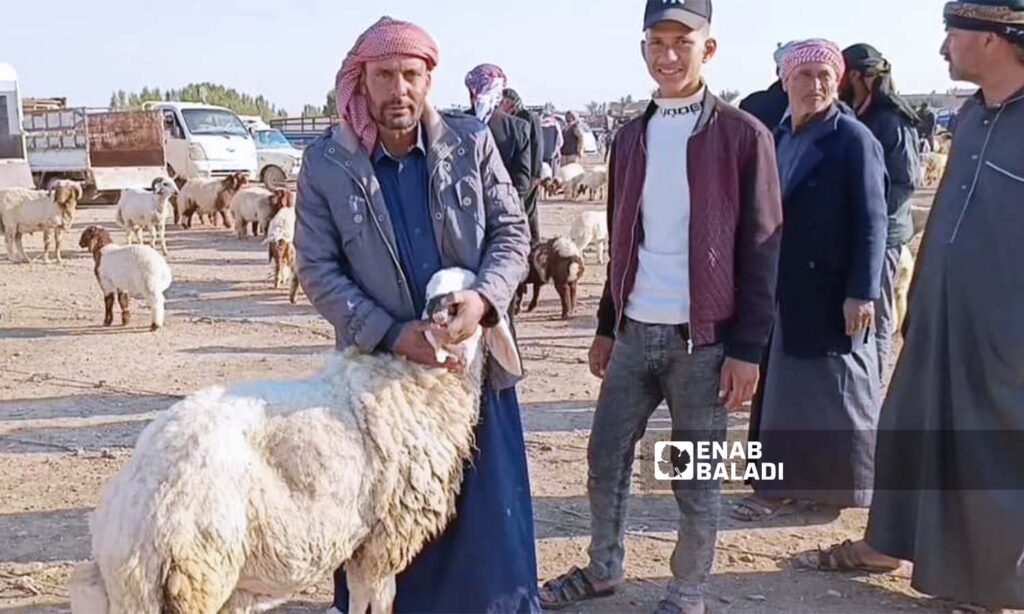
{"x": 273, "y": 177}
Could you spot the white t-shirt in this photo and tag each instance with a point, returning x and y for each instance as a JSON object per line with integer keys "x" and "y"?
{"x": 661, "y": 294}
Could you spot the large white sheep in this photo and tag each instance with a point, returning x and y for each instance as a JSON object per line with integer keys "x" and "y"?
{"x": 237, "y": 498}
{"x": 256, "y": 206}
{"x": 25, "y": 211}
{"x": 139, "y": 210}
{"x": 210, "y": 196}
{"x": 591, "y": 228}
{"x": 124, "y": 271}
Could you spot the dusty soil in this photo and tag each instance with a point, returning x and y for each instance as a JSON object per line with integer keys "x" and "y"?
{"x": 74, "y": 396}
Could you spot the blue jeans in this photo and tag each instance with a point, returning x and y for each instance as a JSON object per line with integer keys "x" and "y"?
{"x": 650, "y": 364}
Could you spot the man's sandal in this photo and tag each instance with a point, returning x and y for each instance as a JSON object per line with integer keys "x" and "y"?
{"x": 839, "y": 558}
{"x": 569, "y": 589}
{"x": 752, "y": 509}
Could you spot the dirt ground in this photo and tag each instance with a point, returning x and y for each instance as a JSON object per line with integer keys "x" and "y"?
{"x": 74, "y": 396}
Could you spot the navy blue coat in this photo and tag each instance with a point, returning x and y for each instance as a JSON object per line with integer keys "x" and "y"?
{"x": 833, "y": 238}
{"x": 768, "y": 106}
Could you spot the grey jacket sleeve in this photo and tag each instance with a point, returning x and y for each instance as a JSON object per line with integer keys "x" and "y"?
{"x": 323, "y": 273}
{"x": 507, "y": 233}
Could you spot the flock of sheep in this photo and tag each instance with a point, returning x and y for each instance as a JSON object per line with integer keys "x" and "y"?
{"x": 135, "y": 269}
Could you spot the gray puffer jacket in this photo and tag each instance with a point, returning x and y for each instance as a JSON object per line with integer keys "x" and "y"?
{"x": 347, "y": 255}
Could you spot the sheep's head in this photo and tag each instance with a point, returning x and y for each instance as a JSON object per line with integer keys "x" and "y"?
{"x": 236, "y": 181}
{"x": 66, "y": 194}
{"x": 281, "y": 198}
{"x": 94, "y": 239}
{"x": 441, "y": 309}
{"x": 164, "y": 186}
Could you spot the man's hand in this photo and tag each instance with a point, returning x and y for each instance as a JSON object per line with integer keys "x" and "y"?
{"x": 600, "y": 355}
{"x": 860, "y": 315}
{"x": 412, "y": 343}
{"x": 470, "y": 309}
{"x": 738, "y": 383}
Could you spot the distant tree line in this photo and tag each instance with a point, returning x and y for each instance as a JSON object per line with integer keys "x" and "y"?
{"x": 208, "y": 93}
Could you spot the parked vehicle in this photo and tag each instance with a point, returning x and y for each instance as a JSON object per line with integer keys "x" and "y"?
{"x": 107, "y": 151}
{"x": 301, "y": 131}
{"x": 279, "y": 161}
{"x": 14, "y": 167}
{"x": 203, "y": 140}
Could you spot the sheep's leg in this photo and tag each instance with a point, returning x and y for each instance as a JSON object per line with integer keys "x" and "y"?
{"x": 564, "y": 294}
{"x": 152, "y": 236}
{"x": 9, "y": 241}
{"x": 19, "y": 247}
{"x": 368, "y": 595}
{"x": 572, "y": 298}
{"x": 56, "y": 246}
{"x": 108, "y": 306}
{"x": 256, "y": 229}
{"x": 47, "y": 245}
{"x": 156, "y": 304}
{"x": 125, "y": 302}
{"x": 224, "y": 216}
{"x": 295, "y": 288}
{"x": 601, "y": 247}
{"x": 163, "y": 237}
{"x": 536, "y": 297}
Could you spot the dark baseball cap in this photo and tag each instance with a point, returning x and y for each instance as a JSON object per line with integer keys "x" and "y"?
{"x": 862, "y": 57}
{"x": 694, "y": 14}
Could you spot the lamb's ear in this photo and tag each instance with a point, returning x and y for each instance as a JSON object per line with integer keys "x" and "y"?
{"x": 502, "y": 347}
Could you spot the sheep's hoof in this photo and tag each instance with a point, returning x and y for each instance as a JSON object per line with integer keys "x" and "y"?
{"x": 153, "y": 328}
{"x": 108, "y": 323}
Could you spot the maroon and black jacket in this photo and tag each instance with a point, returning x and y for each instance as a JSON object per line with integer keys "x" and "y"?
{"x": 735, "y": 227}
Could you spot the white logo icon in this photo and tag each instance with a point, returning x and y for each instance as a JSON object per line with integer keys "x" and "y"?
{"x": 673, "y": 460}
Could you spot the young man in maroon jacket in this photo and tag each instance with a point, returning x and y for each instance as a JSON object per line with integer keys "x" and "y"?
{"x": 695, "y": 216}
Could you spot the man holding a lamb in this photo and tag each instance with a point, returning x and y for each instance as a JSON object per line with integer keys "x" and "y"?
{"x": 397, "y": 193}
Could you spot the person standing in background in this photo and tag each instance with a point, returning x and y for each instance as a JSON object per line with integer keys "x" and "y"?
{"x": 486, "y": 84}
{"x": 553, "y": 142}
{"x": 926, "y": 129}
{"x": 513, "y": 105}
{"x": 869, "y": 90}
{"x": 572, "y": 148}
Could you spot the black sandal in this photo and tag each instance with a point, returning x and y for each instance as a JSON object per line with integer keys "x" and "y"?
{"x": 569, "y": 589}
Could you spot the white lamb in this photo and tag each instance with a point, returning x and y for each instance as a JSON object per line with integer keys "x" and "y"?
{"x": 139, "y": 210}
{"x": 210, "y": 196}
{"x": 281, "y": 250}
{"x": 591, "y": 227}
{"x": 592, "y": 183}
{"x": 123, "y": 271}
{"x": 25, "y": 211}
{"x": 256, "y": 206}
{"x": 235, "y": 499}
{"x": 933, "y": 166}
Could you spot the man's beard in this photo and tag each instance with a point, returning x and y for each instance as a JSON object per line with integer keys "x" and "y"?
{"x": 396, "y": 122}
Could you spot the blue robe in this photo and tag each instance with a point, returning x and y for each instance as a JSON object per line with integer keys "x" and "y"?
{"x": 485, "y": 560}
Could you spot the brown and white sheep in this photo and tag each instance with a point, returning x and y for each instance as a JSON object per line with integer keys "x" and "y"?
{"x": 558, "y": 261}
{"x": 25, "y": 212}
{"x": 281, "y": 242}
{"x": 255, "y": 206}
{"x": 210, "y": 196}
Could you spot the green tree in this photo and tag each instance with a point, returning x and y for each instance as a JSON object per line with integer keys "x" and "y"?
{"x": 209, "y": 93}
{"x": 311, "y": 110}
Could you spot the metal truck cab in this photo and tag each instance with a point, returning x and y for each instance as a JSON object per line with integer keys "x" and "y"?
{"x": 206, "y": 141}
{"x": 14, "y": 168}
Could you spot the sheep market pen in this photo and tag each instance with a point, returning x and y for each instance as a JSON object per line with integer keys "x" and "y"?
{"x": 74, "y": 396}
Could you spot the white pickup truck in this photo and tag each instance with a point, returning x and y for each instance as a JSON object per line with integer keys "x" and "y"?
{"x": 203, "y": 140}
{"x": 14, "y": 168}
{"x": 279, "y": 160}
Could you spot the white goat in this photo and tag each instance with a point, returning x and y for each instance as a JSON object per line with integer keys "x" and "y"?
{"x": 281, "y": 239}
{"x": 138, "y": 210}
{"x": 257, "y": 205}
{"x": 235, "y": 499}
{"x": 123, "y": 271}
{"x": 591, "y": 227}
{"x": 24, "y": 212}
{"x": 210, "y": 196}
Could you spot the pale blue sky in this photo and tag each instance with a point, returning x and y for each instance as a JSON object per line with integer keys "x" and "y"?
{"x": 563, "y": 51}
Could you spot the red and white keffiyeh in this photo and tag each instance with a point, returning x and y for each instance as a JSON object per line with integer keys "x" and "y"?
{"x": 387, "y": 39}
{"x": 810, "y": 51}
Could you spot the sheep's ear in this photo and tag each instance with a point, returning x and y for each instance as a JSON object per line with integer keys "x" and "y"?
{"x": 502, "y": 347}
